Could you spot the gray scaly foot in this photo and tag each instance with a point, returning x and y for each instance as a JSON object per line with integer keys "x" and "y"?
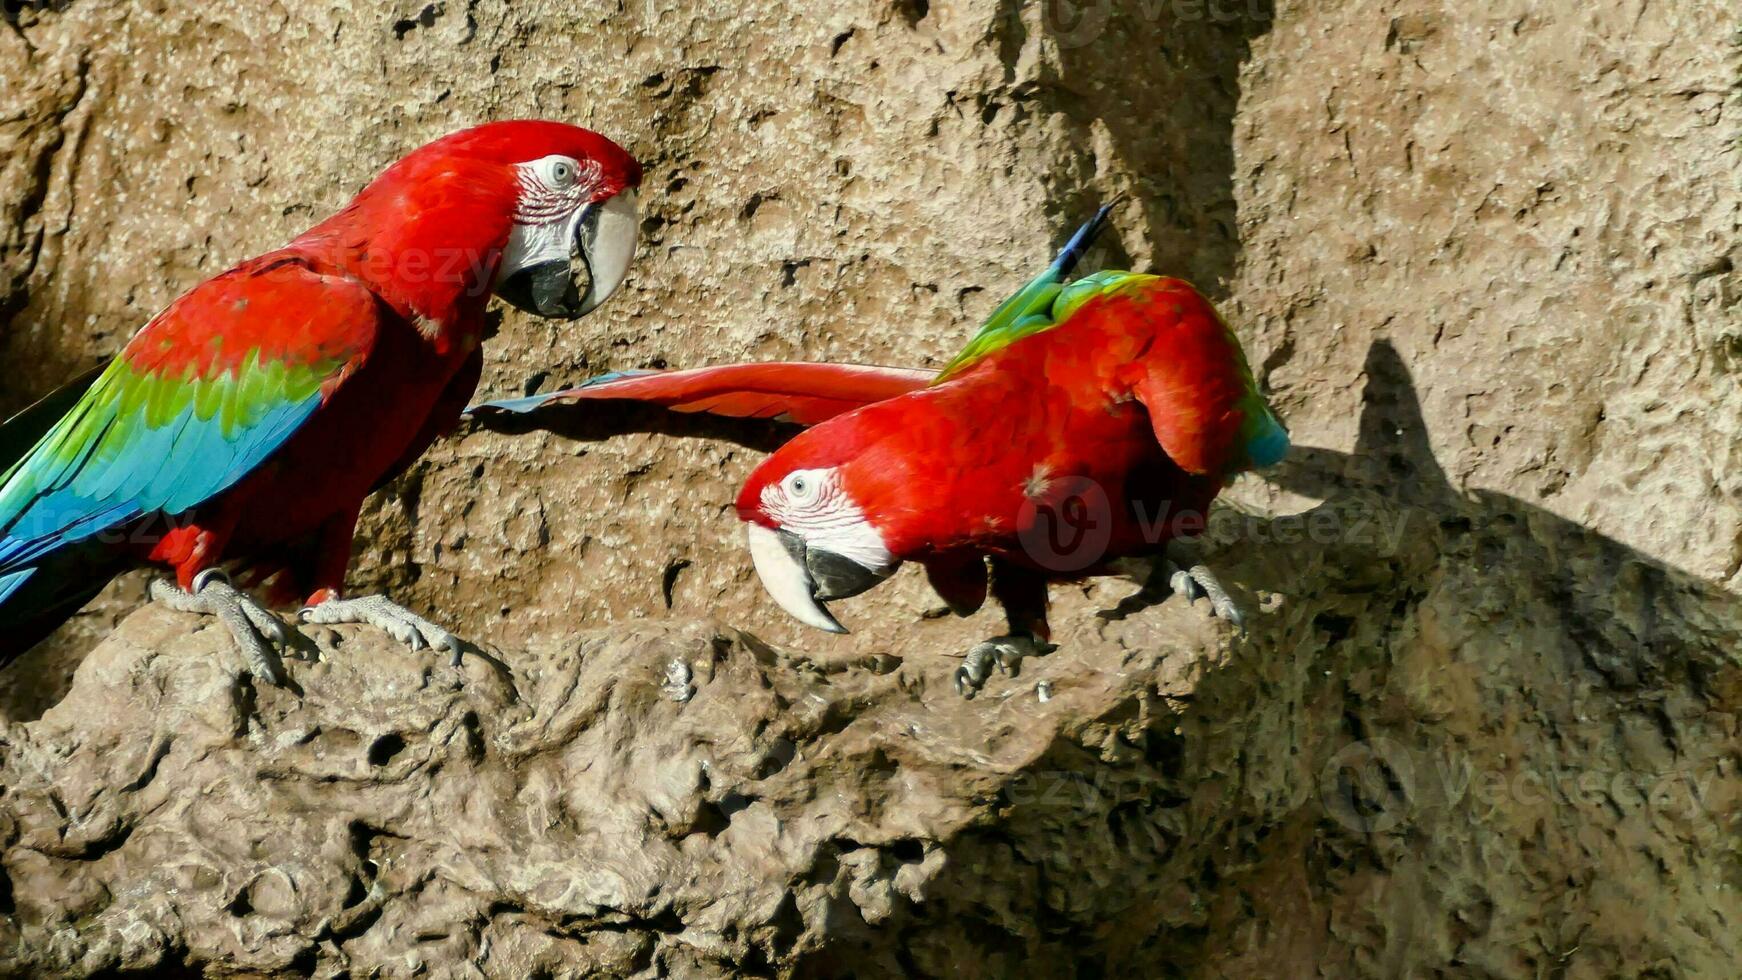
{"x": 1198, "y": 582}
{"x": 383, "y": 613}
{"x": 256, "y": 630}
{"x": 1005, "y": 652}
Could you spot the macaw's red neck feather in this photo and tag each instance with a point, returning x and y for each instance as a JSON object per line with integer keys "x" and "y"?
{"x": 426, "y": 235}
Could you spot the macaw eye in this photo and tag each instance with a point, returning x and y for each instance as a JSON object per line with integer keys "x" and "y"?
{"x": 562, "y": 173}
{"x": 800, "y": 486}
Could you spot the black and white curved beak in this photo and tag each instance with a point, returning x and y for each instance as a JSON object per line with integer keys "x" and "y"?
{"x": 801, "y": 577}
{"x": 565, "y": 269}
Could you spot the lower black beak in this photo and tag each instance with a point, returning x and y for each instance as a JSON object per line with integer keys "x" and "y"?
{"x": 801, "y": 578}
{"x": 834, "y": 577}
{"x": 602, "y": 246}
{"x": 548, "y": 289}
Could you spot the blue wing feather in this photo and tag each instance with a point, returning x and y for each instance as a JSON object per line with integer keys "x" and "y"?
{"x": 169, "y": 468}
{"x": 12, "y": 581}
{"x": 141, "y": 440}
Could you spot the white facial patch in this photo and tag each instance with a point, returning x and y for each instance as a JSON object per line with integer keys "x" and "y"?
{"x": 554, "y": 191}
{"x": 530, "y": 245}
{"x": 812, "y": 505}
{"x": 553, "y": 188}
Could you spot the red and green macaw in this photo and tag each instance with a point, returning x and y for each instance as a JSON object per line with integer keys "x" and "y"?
{"x": 243, "y": 426}
{"x": 1087, "y": 422}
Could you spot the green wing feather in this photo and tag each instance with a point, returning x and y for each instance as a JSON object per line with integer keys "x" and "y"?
{"x": 139, "y": 442}
{"x": 1040, "y": 306}
{"x": 1034, "y": 308}
{"x": 155, "y": 432}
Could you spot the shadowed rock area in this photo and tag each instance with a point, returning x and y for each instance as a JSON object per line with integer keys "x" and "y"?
{"x": 1483, "y": 722}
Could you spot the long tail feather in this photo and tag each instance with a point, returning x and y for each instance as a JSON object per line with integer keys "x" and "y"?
{"x": 1029, "y": 309}
{"x": 34, "y": 601}
{"x": 792, "y": 391}
{"x": 1080, "y": 242}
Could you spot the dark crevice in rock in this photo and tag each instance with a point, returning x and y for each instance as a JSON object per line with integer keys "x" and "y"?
{"x": 425, "y": 19}
{"x": 385, "y": 748}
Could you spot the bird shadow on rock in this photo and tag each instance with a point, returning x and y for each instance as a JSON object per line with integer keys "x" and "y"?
{"x": 1636, "y": 618}
{"x": 1636, "y": 621}
{"x": 1426, "y": 644}
{"x": 1182, "y": 62}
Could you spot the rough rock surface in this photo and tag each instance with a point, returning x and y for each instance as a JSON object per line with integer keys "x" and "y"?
{"x": 570, "y": 816}
{"x": 1485, "y": 719}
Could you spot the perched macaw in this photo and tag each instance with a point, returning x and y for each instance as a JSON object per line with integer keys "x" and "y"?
{"x": 242, "y": 427}
{"x": 1087, "y": 422}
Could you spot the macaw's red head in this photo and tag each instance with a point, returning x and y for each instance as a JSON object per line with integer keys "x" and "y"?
{"x": 834, "y": 512}
{"x": 543, "y": 213}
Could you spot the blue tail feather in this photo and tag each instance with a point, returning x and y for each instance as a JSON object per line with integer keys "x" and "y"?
{"x": 12, "y": 581}
{"x": 530, "y": 403}
{"x": 1072, "y": 253}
